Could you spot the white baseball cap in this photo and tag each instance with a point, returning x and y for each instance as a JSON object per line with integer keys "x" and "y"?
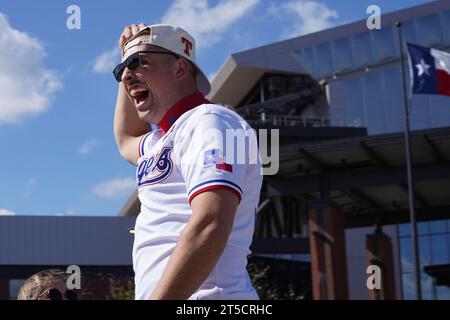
{"x": 174, "y": 39}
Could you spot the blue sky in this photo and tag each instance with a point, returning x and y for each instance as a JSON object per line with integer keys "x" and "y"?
{"x": 57, "y": 93}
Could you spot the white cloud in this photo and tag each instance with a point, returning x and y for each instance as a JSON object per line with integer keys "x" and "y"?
{"x": 309, "y": 16}
{"x": 206, "y": 23}
{"x": 6, "y": 212}
{"x": 27, "y": 87}
{"x": 114, "y": 188}
{"x": 106, "y": 61}
{"x": 87, "y": 147}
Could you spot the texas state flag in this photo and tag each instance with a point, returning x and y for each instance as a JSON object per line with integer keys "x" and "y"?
{"x": 430, "y": 70}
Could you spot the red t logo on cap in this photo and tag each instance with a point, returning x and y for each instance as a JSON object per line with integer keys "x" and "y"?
{"x": 187, "y": 46}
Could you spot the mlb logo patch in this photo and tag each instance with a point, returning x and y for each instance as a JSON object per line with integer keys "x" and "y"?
{"x": 210, "y": 157}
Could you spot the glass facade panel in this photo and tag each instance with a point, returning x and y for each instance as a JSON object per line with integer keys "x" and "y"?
{"x": 426, "y": 283}
{"x": 392, "y": 99}
{"x": 377, "y": 93}
{"x": 353, "y": 103}
{"x": 423, "y": 228}
{"x": 383, "y": 44}
{"x": 408, "y": 32}
{"x": 442, "y": 293}
{"x": 374, "y": 100}
{"x": 439, "y": 111}
{"x": 424, "y": 251}
{"x": 420, "y": 112}
{"x": 404, "y": 230}
{"x": 384, "y": 94}
{"x": 428, "y": 292}
{"x": 337, "y": 103}
{"x": 408, "y": 286}
{"x": 429, "y": 30}
{"x": 439, "y": 249}
{"x": 434, "y": 249}
{"x": 439, "y": 226}
{"x": 305, "y": 58}
{"x": 448, "y": 241}
{"x": 406, "y": 255}
{"x": 373, "y": 103}
{"x": 445, "y": 21}
{"x": 381, "y": 89}
{"x": 323, "y": 54}
{"x": 362, "y": 49}
{"x": 342, "y": 55}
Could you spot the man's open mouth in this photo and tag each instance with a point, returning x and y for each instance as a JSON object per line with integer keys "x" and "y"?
{"x": 139, "y": 96}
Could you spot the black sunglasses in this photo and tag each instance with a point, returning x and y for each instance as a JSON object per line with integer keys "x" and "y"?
{"x": 133, "y": 62}
{"x": 55, "y": 294}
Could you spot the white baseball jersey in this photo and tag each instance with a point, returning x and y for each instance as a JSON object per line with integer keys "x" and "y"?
{"x": 182, "y": 159}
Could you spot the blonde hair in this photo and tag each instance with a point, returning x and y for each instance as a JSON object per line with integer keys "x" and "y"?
{"x": 31, "y": 289}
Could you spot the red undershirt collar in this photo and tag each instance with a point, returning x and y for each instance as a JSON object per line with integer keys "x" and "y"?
{"x": 181, "y": 107}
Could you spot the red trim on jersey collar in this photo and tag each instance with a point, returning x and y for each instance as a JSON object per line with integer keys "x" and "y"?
{"x": 181, "y": 107}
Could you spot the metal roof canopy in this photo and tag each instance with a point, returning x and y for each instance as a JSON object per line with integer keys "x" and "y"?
{"x": 366, "y": 176}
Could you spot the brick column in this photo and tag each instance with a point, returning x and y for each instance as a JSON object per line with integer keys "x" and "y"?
{"x": 379, "y": 252}
{"x": 327, "y": 247}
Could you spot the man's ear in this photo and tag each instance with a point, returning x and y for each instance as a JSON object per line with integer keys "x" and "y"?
{"x": 182, "y": 68}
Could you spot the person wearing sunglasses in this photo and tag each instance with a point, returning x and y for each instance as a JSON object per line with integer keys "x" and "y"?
{"x": 57, "y": 294}
{"x": 47, "y": 285}
{"x": 195, "y": 227}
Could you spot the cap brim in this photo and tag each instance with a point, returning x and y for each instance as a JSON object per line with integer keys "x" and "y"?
{"x": 203, "y": 84}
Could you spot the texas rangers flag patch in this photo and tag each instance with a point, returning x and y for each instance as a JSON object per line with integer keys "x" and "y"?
{"x": 212, "y": 157}
{"x": 224, "y": 166}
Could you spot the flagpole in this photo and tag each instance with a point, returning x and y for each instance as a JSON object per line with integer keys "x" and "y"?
{"x": 411, "y": 202}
